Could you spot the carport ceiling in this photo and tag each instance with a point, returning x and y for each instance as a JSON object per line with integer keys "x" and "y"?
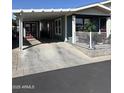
{"x": 42, "y": 15}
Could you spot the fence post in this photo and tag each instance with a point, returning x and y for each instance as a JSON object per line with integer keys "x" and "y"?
{"x": 91, "y": 40}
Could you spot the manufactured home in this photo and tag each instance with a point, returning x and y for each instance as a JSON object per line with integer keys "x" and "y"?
{"x": 65, "y": 25}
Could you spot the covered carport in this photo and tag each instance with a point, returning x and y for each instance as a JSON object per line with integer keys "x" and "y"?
{"x": 54, "y": 23}
{"x": 43, "y": 20}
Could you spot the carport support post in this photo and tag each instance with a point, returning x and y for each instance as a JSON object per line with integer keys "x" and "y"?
{"x": 108, "y": 26}
{"x": 24, "y": 33}
{"x": 20, "y": 33}
{"x": 73, "y": 29}
{"x": 65, "y": 28}
{"x": 91, "y": 40}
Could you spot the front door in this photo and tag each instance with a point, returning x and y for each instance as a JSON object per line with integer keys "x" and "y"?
{"x": 31, "y": 30}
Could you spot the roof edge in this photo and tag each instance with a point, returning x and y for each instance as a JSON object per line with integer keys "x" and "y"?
{"x": 100, "y": 4}
{"x": 105, "y": 2}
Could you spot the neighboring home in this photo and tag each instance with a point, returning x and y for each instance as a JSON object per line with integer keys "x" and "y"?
{"x": 62, "y": 24}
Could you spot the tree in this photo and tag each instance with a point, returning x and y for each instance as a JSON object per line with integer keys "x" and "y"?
{"x": 90, "y": 27}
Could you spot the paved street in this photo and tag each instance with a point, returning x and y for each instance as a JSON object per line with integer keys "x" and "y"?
{"x": 89, "y": 78}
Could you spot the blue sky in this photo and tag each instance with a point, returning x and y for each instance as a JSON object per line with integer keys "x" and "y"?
{"x": 19, "y": 4}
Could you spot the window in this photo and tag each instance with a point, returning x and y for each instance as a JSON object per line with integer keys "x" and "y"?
{"x": 58, "y": 26}
{"x": 79, "y": 24}
{"x": 103, "y": 24}
{"x": 86, "y": 21}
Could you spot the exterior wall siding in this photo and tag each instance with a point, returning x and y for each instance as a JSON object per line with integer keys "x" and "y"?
{"x": 107, "y": 5}
{"x": 69, "y": 28}
{"x": 63, "y": 28}
{"x": 92, "y": 11}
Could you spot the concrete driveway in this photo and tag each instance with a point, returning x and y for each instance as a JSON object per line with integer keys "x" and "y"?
{"x": 46, "y": 57}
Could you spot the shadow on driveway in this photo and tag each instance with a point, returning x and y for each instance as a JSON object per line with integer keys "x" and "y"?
{"x": 90, "y": 78}
{"x": 39, "y": 41}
